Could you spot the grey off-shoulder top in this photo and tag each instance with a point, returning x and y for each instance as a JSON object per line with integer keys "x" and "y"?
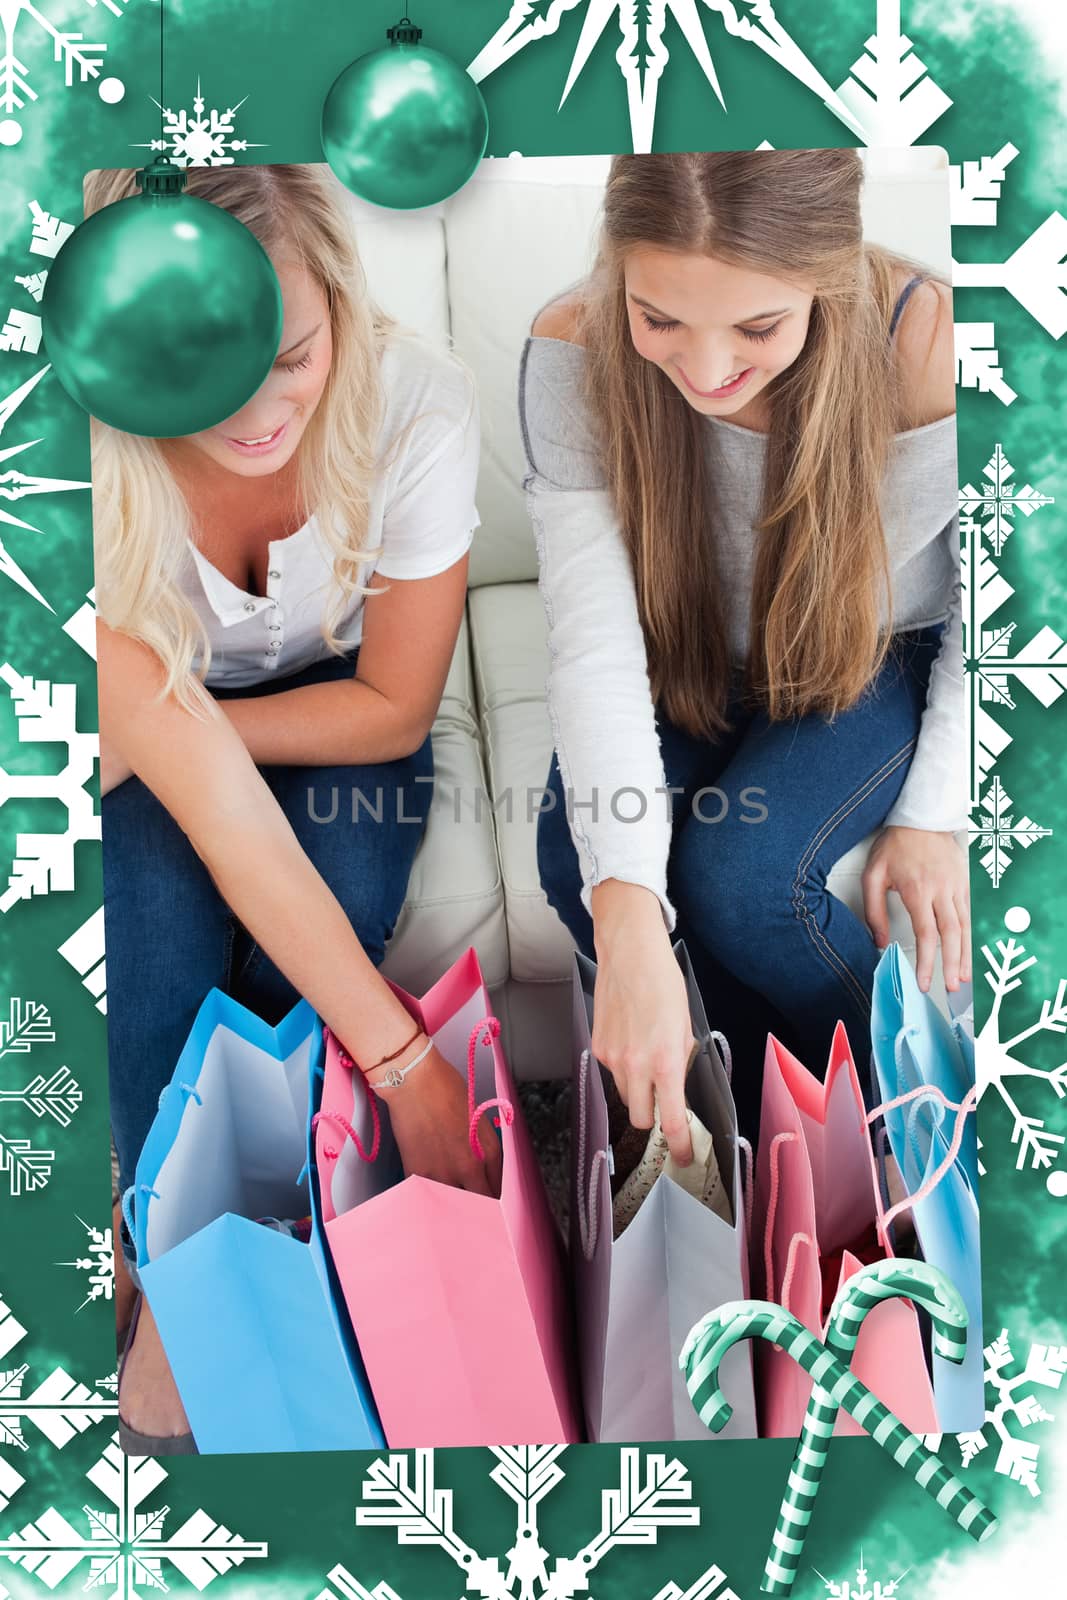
{"x": 598, "y": 692}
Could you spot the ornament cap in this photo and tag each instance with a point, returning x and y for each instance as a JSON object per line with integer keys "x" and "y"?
{"x": 404, "y": 32}
{"x": 161, "y": 177}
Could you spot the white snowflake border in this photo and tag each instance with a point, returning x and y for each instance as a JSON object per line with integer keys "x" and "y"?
{"x": 126, "y": 1547}
{"x": 47, "y": 714}
{"x": 1010, "y": 1400}
{"x": 99, "y": 1264}
{"x": 862, "y": 1589}
{"x": 59, "y": 1408}
{"x": 202, "y": 137}
{"x": 59, "y": 1096}
{"x": 82, "y": 61}
{"x": 995, "y": 1059}
{"x": 400, "y": 1491}
{"x": 993, "y": 668}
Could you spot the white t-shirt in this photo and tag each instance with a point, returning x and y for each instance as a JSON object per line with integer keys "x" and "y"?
{"x": 422, "y": 512}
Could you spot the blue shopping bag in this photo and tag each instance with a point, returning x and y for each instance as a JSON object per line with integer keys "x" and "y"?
{"x": 915, "y": 1048}
{"x": 259, "y": 1344}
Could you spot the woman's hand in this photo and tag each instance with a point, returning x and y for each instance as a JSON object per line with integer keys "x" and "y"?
{"x": 641, "y": 1025}
{"x": 430, "y": 1122}
{"x": 929, "y": 872}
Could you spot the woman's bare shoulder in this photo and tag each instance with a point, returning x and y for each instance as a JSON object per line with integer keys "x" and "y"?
{"x": 559, "y": 319}
{"x": 925, "y": 354}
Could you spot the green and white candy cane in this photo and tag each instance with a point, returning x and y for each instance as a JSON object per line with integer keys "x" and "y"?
{"x": 929, "y": 1288}
{"x": 708, "y": 1341}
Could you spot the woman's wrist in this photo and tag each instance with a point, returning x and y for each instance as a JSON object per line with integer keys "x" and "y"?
{"x": 392, "y": 1073}
{"x": 621, "y": 910}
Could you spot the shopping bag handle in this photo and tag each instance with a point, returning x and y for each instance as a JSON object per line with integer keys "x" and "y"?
{"x": 744, "y": 1148}
{"x": 725, "y": 1052}
{"x": 588, "y": 1194}
{"x": 491, "y": 1026}
{"x": 963, "y": 1109}
{"x": 126, "y": 1202}
{"x": 346, "y": 1061}
{"x": 798, "y": 1239}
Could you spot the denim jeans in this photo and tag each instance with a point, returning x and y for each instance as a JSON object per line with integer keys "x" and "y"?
{"x": 772, "y": 949}
{"x": 170, "y": 937}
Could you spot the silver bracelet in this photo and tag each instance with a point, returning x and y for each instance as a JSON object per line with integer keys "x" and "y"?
{"x": 396, "y": 1075}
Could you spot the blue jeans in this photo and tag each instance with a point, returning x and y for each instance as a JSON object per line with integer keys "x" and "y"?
{"x": 772, "y": 948}
{"x": 170, "y": 936}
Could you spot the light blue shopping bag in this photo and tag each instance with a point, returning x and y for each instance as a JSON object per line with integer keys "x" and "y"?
{"x": 260, "y": 1347}
{"x": 916, "y": 1048}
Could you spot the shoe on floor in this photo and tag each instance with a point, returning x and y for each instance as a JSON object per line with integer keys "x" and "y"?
{"x": 147, "y": 1444}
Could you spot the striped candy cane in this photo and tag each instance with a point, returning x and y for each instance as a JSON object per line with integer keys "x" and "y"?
{"x": 929, "y": 1288}
{"x": 707, "y": 1343}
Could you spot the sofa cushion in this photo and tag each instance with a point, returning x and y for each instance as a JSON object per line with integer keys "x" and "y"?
{"x": 455, "y": 898}
{"x": 510, "y": 668}
{"x": 495, "y": 287}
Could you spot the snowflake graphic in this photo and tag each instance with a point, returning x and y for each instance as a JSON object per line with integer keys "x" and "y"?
{"x": 58, "y": 1407}
{"x": 47, "y": 714}
{"x": 998, "y": 500}
{"x": 27, "y": 1023}
{"x": 998, "y": 832}
{"x": 987, "y": 520}
{"x": 57, "y": 1096}
{"x": 15, "y": 485}
{"x": 79, "y": 57}
{"x": 23, "y": 329}
{"x": 996, "y": 1062}
{"x": 126, "y": 1546}
{"x": 99, "y": 1264}
{"x": 642, "y": 56}
{"x": 26, "y": 1166}
{"x": 881, "y": 1589}
{"x": 84, "y": 949}
{"x": 199, "y": 140}
{"x": 22, "y": 332}
{"x": 399, "y": 1491}
{"x": 1035, "y": 274}
{"x": 1009, "y": 1400}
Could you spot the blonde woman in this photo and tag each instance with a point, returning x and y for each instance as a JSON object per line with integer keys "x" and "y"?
{"x": 741, "y": 448}
{"x": 266, "y": 707}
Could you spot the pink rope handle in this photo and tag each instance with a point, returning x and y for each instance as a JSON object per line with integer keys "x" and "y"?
{"x": 589, "y": 1211}
{"x": 343, "y": 1122}
{"x": 346, "y": 1061}
{"x": 772, "y": 1212}
{"x": 791, "y": 1262}
{"x": 963, "y": 1110}
{"x": 491, "y": 1025}
{"x": 507, "y": 1111}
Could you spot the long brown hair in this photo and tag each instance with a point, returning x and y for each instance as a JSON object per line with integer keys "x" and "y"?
{"x": 821, "y": 569}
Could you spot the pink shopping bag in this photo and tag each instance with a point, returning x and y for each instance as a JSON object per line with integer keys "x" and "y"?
{"x": 815, "y": 1222}
{"x": 458, "y": 1300}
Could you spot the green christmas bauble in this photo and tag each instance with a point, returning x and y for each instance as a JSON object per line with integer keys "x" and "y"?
{"x": 404, "y": 126}
{"x": 162, "y": 314}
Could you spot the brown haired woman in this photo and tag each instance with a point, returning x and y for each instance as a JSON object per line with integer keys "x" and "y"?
{"x": 741, "y": 448}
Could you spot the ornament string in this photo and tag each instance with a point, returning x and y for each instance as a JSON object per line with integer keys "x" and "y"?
{"x": 162, "y": 115}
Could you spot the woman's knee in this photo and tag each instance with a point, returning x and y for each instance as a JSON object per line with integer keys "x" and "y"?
{"x": 731, "y": 884}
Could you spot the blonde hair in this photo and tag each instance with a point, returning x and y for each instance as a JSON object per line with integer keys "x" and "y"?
{"x": 142, "y": 521}
{"x": 815, "y": 634}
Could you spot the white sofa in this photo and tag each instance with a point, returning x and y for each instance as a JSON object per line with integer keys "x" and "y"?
{"x": 478, "y": 267}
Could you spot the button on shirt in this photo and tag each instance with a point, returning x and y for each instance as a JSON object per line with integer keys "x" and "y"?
{"x": 421, "y": 511}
